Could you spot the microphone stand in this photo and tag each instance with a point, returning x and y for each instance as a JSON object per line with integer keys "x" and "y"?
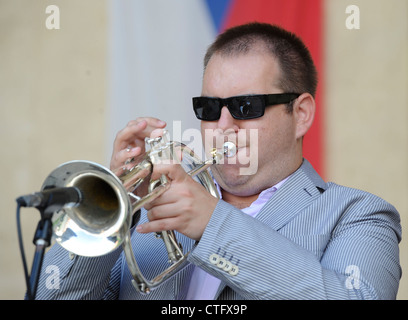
{"x": 42, "y": 239}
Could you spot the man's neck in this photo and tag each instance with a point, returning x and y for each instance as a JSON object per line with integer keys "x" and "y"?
{"x": 239, "y": 202}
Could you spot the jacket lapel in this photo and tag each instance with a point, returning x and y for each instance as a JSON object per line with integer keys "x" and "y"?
{"x": 299, "y": 191}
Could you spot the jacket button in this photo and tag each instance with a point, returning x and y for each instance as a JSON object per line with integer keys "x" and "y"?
{"x": 214, "y": 258}
{"x": 234, "y": 270}
{"x": 228, "y": 266}
{"x": 221, "y": 263}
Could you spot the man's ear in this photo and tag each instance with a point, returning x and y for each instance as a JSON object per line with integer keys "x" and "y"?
{"x": 304, "y": 109}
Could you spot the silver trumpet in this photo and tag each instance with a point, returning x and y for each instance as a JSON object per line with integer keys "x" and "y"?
{"x": 101, "y": 222}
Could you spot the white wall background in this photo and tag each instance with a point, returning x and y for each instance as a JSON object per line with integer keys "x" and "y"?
{"x": 156, "y": 61}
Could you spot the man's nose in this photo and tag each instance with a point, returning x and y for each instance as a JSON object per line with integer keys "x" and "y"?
{"x": 227, "y": 121}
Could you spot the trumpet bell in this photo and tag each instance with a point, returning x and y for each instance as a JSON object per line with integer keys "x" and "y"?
{"x": 99, "y": 223}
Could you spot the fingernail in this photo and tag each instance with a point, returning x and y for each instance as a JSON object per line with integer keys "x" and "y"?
{"x": 139, "y": 228}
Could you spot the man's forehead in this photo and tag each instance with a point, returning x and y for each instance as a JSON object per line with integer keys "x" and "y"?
{"x": 247, "y": 72}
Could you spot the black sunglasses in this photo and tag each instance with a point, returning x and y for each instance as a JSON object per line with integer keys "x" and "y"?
{"x": 240, "y": 107}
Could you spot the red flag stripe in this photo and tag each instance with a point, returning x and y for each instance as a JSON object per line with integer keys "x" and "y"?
{"x": 304, "y": 18}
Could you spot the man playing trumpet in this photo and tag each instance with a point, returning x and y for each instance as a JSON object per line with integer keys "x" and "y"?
{"x": 277, "y": 232}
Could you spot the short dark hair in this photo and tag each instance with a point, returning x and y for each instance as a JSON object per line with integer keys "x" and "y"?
{"x": 298, "y": 71}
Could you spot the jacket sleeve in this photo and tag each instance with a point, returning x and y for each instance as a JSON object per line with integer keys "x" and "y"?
{"x": 357, "y": 260}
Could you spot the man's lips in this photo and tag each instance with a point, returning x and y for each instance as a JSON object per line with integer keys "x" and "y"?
{"x": 231, "y": 153}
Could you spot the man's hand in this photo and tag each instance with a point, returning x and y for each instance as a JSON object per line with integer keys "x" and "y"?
{"x": 185, "y": 207}
{"x": 130, "y": 142}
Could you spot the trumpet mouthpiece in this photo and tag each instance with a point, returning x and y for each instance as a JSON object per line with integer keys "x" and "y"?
{"x": 230, "y": 149}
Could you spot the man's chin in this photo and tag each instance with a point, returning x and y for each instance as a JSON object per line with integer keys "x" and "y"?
{"x": 229, "y": 176}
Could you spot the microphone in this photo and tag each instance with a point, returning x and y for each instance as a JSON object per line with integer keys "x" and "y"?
{"x": 55, "y": 198}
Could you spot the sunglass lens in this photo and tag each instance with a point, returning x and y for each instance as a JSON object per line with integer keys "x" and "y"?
{"x": 247, "y": 108}
{"x": 207, "y": 109}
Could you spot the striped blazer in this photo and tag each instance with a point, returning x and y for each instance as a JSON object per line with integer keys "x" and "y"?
{"x": 312, "y": 240}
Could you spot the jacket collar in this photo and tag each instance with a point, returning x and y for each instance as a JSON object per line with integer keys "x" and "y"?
{"x": 301, "y": 188}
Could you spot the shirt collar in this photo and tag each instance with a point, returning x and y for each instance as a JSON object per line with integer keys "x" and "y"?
{"x": 263, "y": 198}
